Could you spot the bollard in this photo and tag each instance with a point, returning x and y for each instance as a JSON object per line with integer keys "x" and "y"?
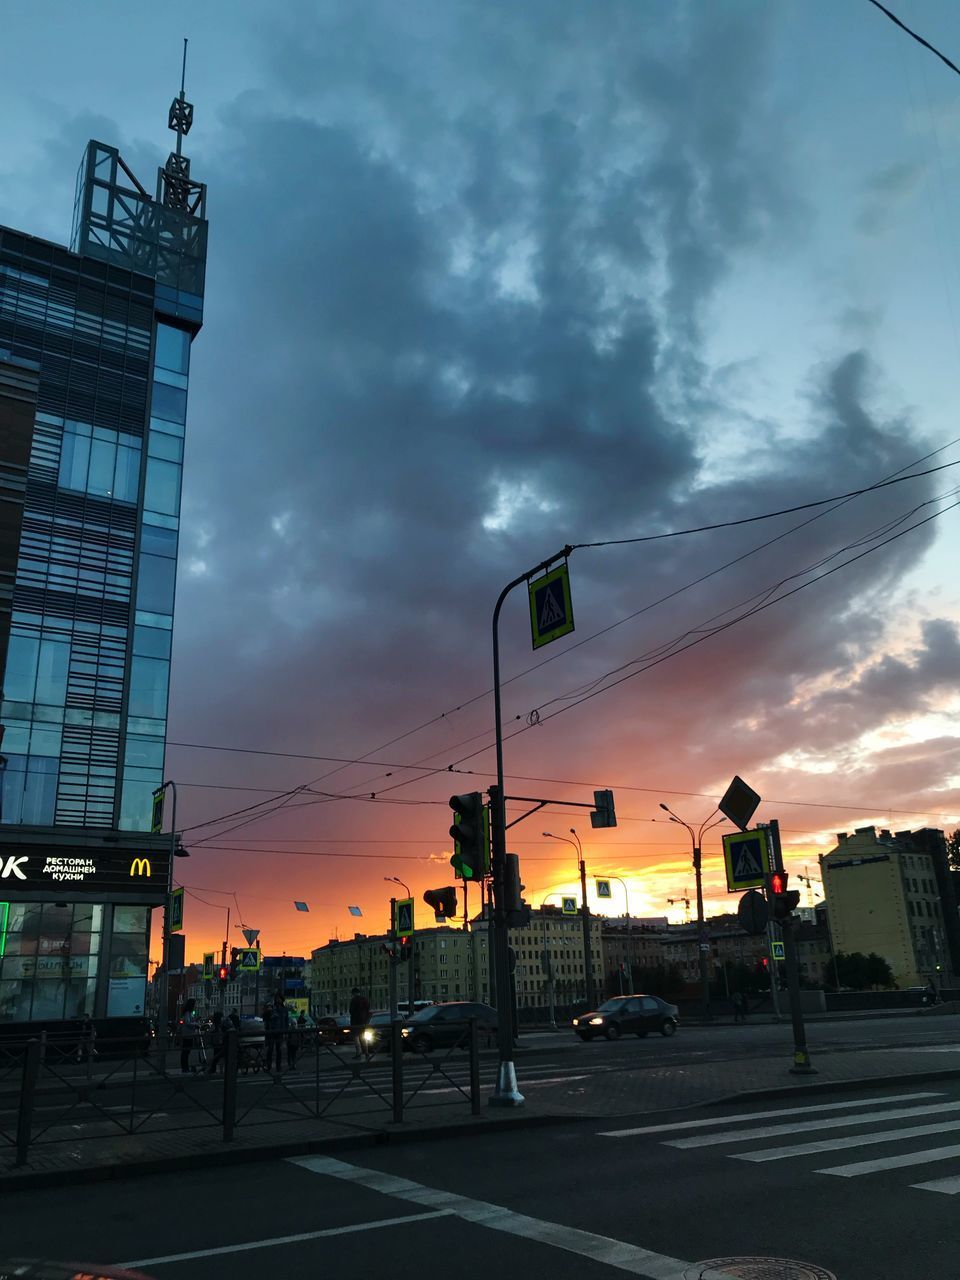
{"x": 28, "y": 1088}
{"x": 396, "y": 1069}
{"x": 231, "y": 1060}
{"x": 474, "y": 1067}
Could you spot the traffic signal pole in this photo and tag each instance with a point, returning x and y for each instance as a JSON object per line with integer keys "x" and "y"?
{"x": 587, "y": 952}
{"x": 801, "y": 1055}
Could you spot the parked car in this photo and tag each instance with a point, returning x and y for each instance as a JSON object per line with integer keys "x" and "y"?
{"x": 443, "y": 1025}
{"x": 628, "y": 1014}
{"x": 333, "y": 1028}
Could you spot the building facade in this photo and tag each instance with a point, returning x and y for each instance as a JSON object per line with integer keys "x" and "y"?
{"x": 95, "y": 345}
{"x": 893, "y": 894}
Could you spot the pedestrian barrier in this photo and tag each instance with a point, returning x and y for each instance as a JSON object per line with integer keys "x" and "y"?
{"x": 49, "y": 1094}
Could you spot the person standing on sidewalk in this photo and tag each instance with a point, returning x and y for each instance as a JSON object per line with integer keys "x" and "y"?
{"x": 359, "y": 1018}
{"x": 277, "y": 1032}
{"x": 216, "y": 1042}
{"x": 739, "y": 1007}
{"x": 87, "y": 1045}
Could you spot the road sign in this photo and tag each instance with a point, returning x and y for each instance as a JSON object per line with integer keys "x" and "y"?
{"x": 208, "y": 957}
{"x": 176, "y": 911}
{"x": 739, "y": 803}
{"x": 603, "y": 889}
{"x": 747, "y": 858}
{"x": 568, "y": 906}
{"x": 156, "y": 817}
{"x": 551, "y": 609}
{"x": 753, "y": 913}
{"x": 251, "y": 936}
{"x": 778, "y": 951}
{"x": 404, "y": 925}
{"x": 248, "y": 960}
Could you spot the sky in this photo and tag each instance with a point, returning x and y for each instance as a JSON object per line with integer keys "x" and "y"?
{"x": 486, "y": 280}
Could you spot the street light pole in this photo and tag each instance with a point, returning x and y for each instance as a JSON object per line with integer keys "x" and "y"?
{"x": 696, "y": 839}
{"x": 163, "y": 1012}
{"x": 584, "y": 913}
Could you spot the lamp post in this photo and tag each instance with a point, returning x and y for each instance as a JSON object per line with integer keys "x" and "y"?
{"x": 406, "y": 889}
{"x": 696, "y": 839}
{"x": 626, "y": 899}
{"x": 164, "y": 994}
{"x": 548, "y": 958}
{"x": 585, "y": 913}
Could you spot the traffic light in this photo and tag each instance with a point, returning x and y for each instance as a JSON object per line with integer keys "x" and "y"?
{"x": 443, "y": 901}
{"x": 234, "y": 960}
{"x": 223, "y": 974}
{"x": 471, "y": 834}
{"x": 604, "y": 814}
{"x": 517, "y": 911}
{"x": 783, "y": 900}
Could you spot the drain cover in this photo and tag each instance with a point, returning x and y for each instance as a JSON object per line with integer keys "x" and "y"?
{"x": 757, "y": 1269}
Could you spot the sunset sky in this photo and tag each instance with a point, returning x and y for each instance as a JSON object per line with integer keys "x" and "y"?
{"x": 486, "y": 279}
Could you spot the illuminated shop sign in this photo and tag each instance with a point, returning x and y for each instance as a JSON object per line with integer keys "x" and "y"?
{"x": 85, "y": 872}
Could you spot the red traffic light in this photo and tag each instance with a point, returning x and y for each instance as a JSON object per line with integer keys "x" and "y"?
{"x": 223, "y": 973}
{"x": 778, "y": 883}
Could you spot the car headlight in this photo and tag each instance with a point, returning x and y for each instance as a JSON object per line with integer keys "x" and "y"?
{"x": 404, "y": 1031}
{"x": 369, "y": 1035}
{"x": 576, "y": 1022}
{"x": 596, "y": 1022}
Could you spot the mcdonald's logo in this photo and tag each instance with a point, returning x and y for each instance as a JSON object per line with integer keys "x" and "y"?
{"x": 140, "y": 867}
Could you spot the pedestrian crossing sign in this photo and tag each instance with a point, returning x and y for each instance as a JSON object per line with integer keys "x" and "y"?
{"x": 746, "y": 855}
{"x": 551, "y": 608}
{"x": 778, "y": 951}
{"x": 569, "y": 906}
{"x": 248, "y": 960}
{"x": 603, "y": 889}
{"x": 208, "y": 966}
{"x": 404, "y": 925}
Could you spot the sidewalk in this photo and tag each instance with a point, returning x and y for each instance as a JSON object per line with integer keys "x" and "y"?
{"x": 603, "y": 1094}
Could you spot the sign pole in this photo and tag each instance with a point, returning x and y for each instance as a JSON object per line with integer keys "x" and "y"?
{"x": 163, "y": 1013}
{"x": 392, "y": 962}
{"x": 801, "y": 1055}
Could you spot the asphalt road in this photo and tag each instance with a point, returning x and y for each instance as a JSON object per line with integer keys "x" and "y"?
{"x": 860, "y": 1186}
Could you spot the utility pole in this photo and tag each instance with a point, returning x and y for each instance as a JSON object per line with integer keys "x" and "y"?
{"x": 587, "y": 950}
{"x": 801, "y": 1055}
{"x": 392, "y": 962}
{"x": 703, "y": 946}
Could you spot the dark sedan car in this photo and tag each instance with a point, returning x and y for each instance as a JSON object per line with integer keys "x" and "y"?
{"x": 443, "y": 1025}
{"x": 628, "y": 1015}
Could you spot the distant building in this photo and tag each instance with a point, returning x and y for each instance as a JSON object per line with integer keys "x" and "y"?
{"x": 893, "y": 894}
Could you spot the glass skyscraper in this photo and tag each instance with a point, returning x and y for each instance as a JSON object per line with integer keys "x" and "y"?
{"x": 95, "y": 345}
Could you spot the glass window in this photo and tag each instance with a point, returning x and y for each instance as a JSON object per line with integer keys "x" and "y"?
{"x": 21, "y": 671}
{"x": 74, "y": 461}
{"x": 163, "y": 487}
{"x": 159, "y": 542}
{"x": 29, "y": 791}
{"x": 152, "y": 642}
{"x": 129, "y": 920}
{"x": 103, "y": 462}
{"x": 126, "y": 478}
{"x": 173, "y": 348}
{"x": 164, "y": 446}
{"x": 148, "y": 686}
{"x": 169, "y": 402}
{"x": 52, "y": 673}
{"x": 136, "y": 805}
{"x": 143, "y": 753}
{"x": 155, "y": 584}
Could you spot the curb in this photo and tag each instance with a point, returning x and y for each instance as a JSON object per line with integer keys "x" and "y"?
{"x": 837, "y": 1086}
{"x": 226, "y": 1157}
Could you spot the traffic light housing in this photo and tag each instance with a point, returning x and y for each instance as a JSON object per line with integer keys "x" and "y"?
{"x": 234, "y": 961}
{"x": 516, "y": 910}
{"x": 604, "y": 814}
{"x": 471, "y": 835}
{"x": 223, "y": 974}
{"x": 784, "y": 901}
{"x": 443, "y": 901}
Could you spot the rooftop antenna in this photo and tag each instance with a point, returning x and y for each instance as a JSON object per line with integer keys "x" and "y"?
{"x": 177, "y": 187}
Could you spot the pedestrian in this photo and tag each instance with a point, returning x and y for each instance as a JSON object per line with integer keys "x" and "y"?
{"x": 235, "y": 1019}
{"x": 359, "y": 1018}
{"x": 217, "y": 1040}
{"x": 87, "y": 1044}
{"x": 277, "y": 1032}
{"x": 189, "y": 1029}
{"x": 739, "y": 1007}
{"x": 295, "y": 1037}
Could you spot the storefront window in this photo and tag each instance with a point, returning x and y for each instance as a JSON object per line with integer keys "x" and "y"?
{"x": 50, "y": 960}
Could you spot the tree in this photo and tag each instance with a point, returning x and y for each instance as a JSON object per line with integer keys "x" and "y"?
{"x": 953, "y": 850}
{"x": 879, "y": 973}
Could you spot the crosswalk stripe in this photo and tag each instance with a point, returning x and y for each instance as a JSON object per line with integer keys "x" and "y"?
{"x": 947, "y": 1186}
{"x": 892, "y": 1162}
{"x": 716, "y": 1121}
{"x": 808, "y": 1126}
{"x": 840, "y": 1144}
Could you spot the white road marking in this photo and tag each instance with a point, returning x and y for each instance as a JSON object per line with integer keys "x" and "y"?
{"x": 761, "y": 1115}
{"x": 892, "y": 1162}
{"x": 614, "y": 1253}
{"x": 947, "y": 1186}
{"x": 809, "y": 1126}
{"x": 297, "y": 1239}
{"x": 841, "y": 1144}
